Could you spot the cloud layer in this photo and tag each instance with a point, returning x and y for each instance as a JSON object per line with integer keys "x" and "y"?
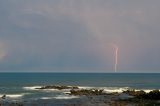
{"x": 77, "y": 35}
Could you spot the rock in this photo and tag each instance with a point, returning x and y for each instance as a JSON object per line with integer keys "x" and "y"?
{"x": 155, "y": 95}
{"x": 3, "y": 97}
{"x": 87, "y": 92}
{"x": 134, "y": 93}
{"x": 152, "y": 95}
{"x": 58, "y": 87}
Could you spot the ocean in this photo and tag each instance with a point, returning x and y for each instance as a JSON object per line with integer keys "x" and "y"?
{"x": 21, "y": 86}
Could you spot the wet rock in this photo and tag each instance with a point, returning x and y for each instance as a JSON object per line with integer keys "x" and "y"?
{"x": 134, "y": 93}
{"x": 58, "y": 87}
{"x": 3, "y": 97}
{"x": 152, "y": 95}
{"x": 87, "y": 92}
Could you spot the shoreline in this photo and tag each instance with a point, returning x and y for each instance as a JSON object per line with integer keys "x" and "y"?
{"x": 79, "y": 96}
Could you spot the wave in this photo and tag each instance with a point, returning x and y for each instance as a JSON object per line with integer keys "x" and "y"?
{"x": 66, "y": 97}
{"x": 86, "y": 87}
{"x": 31, "y": 87}
{"x": 115, "y": 89}
{"x": 45, "y": 90}
{"x": 14, "y": 95}
{"x": 145, "y": 90}
{"x": 106, "y": 89}
{"x": 46, "y": 98}
{"x": 60, "y": 97}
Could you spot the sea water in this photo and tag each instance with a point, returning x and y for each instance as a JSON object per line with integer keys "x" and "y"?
{"x": 21, "y": 86}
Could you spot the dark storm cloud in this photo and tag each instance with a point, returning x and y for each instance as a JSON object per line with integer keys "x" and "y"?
{"x": 70, "y": 35}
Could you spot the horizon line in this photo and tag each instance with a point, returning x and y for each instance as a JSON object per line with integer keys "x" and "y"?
{"x": 80, "y": 72}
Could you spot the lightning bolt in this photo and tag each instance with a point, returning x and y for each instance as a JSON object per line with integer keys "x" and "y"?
{"x": 116, "y": 57}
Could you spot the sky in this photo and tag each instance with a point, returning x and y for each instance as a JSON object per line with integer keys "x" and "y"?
{"x": 78, "y": 35}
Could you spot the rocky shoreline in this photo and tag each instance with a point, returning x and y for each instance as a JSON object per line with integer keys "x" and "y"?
{"x": 93, "y": 97}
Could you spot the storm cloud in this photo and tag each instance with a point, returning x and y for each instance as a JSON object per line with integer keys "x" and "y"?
{"x": 77, "y": 35}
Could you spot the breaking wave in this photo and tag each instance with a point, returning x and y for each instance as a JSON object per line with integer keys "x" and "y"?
{"x": 106, "y": 89}
{"x": 13, "y": 95}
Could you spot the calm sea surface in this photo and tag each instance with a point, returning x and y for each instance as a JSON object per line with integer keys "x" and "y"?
{"x": 21, "y": 85}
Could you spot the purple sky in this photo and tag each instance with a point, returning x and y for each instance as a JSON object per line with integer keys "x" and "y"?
{"x": 77, "y": 35}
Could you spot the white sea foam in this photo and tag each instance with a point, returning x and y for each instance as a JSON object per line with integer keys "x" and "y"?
{"x": 34, "y": 88}
{"x": 66, "y": 92}
{"x": 31, "y": 88}
{"x": 114, "y": 89}
{"x": 49, "y": 90}
{"x": 60, "y": 97}
{"x": 106, "y": 89}
{"x": 145, "y": 90}
{"x": 46, "y": 98}
{"x": 45, "y": 90}
{"x": 85, "y": 87}
{"x": 14, "y": 95}
{"x": 66, "y": 97}
{"x": 120, "y": 90}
